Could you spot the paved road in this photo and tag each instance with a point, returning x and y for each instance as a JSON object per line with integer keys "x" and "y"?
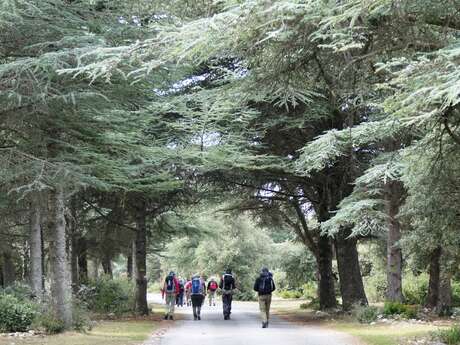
{"x": 245, "y": 329}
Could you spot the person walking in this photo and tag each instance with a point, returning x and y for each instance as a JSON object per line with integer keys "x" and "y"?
{"x": 212, "y": 288}
{"x": 264, "y": 286}
{"x": 198, "y": 294}
{"x": 169, "y": 292}
{"x": 180, "y": 295}
{"x": 188, "y": 291}
{"x": 227, "y": 285}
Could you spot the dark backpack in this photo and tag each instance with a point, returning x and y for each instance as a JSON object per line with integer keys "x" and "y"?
{"x": 170, "y": 285}
{"x": 227, "y": 282}
{"x": 265, "y": 285}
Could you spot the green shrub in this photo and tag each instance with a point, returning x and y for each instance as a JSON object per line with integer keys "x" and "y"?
{"x": 364, "y": 313}
{"x": 15, "y": 315}
{"x": 290, "y": 294}
{"x": 396, "y": 308}
{"x": 81, "y": 319}
{"x": 313, "y": 304}
{"x": 415, "y": 289}
{"x": 450, "y": 336}
{"x": 22, "y": 292}
{"x": 245, "y": 296}
{"x": 376, "y": 286}
{"x": 456, "y": 294}
{"x": 50, "y": 323}
{"x": 108, "y": 296}
{"x": 310, "y": 290}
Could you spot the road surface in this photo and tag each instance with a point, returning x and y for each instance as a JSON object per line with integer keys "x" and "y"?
{"x": 244, "y": 328}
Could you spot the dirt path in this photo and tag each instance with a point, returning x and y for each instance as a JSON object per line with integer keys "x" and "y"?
{"x": 243, "y": 329}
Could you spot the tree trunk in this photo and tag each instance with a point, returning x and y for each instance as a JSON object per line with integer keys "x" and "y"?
{"x": 141, "y": 262}
{"x": 134, "y": 267}
{"x": 25, "y": 258}
{"x": 8, "y": 269}
{"x": 351, "y": 282}
{"x": 444, "y": 304}
{"x": 326, "y": 291}
{"x": 433, "y": 285}
{"x": 74, "y": 261}
{"x": 393, "y": 193}
{"x": 95, "y": 272}
{"x": 60, "y": 282}
{"x": 44, "y": 268}
{"x": 129, "y": 265}
{"x": 36, "y": 253}
{"x": 107, "y": 265}
{"x": 82, "y": 261}
{"x": 74, "y": 249}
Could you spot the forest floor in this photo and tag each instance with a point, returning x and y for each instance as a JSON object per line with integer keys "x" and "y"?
{"x": 381, "y": 333}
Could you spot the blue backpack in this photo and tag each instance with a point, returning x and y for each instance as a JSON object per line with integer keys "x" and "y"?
{"x": 197, "y": 287}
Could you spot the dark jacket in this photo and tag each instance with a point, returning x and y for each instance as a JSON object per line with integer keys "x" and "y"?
{"x": 269, "y": 289}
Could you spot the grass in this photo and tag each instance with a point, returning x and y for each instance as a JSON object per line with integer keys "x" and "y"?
{"x": 383, "y": 334}
{"x": 378, "y": 334}
{"x": 105, "y": 333}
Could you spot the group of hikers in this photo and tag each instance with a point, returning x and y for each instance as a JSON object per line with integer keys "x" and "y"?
{"x": 195, "y": 291}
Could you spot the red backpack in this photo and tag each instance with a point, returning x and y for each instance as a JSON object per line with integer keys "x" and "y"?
{"x": 213, "y": 286}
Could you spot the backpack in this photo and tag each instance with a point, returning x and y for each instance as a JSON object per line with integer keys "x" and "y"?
{"x": 197, "y": 287}
{"x": 227, "y": 281}
{"x": 181, "y": 286}
{"x": 213, "y": 286}
{"x": 265, "y": 285}
{"x": 170, "y": 284}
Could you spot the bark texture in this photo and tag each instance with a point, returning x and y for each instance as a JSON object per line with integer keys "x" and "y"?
{"x": 134, "y": 267}
{"x": 141, "y": 262}
{"x": 444, "y": 303}
{"x": 351, "y": 282}
{"x": 393, "y": 196}
{"x": 61, "y": 278}
{"x": 433, "y": 285}
{"x": 74, "y": 262}
{"x": 36, "y": 253}
{"x": 326, "y": 290}
{"x": 129, "y": 265}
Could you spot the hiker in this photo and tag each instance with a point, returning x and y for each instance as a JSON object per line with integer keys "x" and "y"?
{"x": 227, "y": 285}
{"x": 180, "y": 295}
{"x": 197, "y": 294}
{"x": 212, "y": 288}
{"x": 169, "y": 292}
{"x": 188, "y": 291}
{"x": 264, "y": 285}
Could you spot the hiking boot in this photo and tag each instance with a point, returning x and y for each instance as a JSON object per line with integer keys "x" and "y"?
{"x": 171, "y": 317}
{"x": 264, "y": 325}
{"x": 166, "y": 316}
{"x": 199, "y": 317}
{"x": 195, "y": 317}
